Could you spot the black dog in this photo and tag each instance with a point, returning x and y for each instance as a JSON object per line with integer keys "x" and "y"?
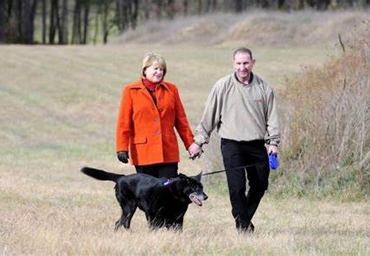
{"x": 164, "y": 202}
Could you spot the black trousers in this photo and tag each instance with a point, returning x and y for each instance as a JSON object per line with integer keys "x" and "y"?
{"x": 236, "y": 154}
{"x": 167, "y": 170}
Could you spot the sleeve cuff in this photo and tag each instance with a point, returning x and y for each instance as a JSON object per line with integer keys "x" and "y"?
{"x": 200, "y": 140}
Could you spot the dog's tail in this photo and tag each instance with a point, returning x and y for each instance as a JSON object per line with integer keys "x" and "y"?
{"x": 100, "y": 174}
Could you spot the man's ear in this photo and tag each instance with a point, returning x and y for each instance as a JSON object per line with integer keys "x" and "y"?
{"x": 198, "y": 177}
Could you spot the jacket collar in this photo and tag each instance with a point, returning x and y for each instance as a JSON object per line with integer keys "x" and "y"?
{"x": 140, "y": 85}
{"x": 250, "y": 82}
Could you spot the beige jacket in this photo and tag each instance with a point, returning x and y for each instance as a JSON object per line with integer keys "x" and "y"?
{"x": 240, "y": 112}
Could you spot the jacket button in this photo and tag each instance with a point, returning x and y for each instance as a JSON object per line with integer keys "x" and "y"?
{"x": 160, "y": 109}
{"x": 156, "y": 119}
{"x": 158, "y": 132}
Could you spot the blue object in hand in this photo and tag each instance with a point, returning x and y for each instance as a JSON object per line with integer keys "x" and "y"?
{"x": 274, "y": 161}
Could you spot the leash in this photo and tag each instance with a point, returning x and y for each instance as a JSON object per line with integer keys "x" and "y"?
{"x": 239, "y": 167}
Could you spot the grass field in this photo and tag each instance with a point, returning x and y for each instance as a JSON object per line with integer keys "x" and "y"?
{"x": 58, "y": 107}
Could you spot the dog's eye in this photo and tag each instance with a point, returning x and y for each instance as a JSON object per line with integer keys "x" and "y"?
{"x": 194, "y": 187}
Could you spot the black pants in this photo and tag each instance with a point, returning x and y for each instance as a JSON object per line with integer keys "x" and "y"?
{"x": 167, "y": 170}
{"x": 236, "y": 154}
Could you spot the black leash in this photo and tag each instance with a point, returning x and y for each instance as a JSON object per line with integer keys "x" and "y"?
{"x": 239, "y": 167}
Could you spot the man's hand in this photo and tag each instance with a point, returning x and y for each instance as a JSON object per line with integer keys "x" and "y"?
{"x": 273, "y": 150}
{"x": 195, "y": 151}
{"x": 123, "y": 156}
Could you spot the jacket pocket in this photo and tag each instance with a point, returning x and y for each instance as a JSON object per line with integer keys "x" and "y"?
{"x": 139, "y": 140}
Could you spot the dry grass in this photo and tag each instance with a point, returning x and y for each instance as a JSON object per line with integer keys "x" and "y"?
{"x": 273, "y": 29}
{"x": 326, "y": 123}
{"x": 56, "y": 212}
{"x": 58, "y": 108}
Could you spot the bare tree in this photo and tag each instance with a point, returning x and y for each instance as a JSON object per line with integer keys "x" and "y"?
{"x": 170, "y": 9}
{"x": 319, "y": 4}
{"x": 29, "y": 19}
{"x": 86, "y": 22}
{"x": 44, "y": 16}
{"x": 280, "y": 4}
{"x": 3, "y": 22}
{"x": 200, "y": 6}
{"x": 185, "y": 6}
{"x": 96, "y": 25}
{"x": 135, "y": 12}
{"x": 158, "y": 8}
{"x": 118, "y": 15}
{"x": 211, "y": 5}
{"x": 63, "y": 31}
{"x": 127, "y": 12}
{"x": 18, "y": 17}
{"x": 54, "y": 20}
{"x": 19, "y": 21}
{"x": 146, "y": 9}
{"x": 26, "y": 29}
{"x": 301, "y": 4}
{"x": 9, "y": 8}
{"x": 106, "y": 25}
{"x": 238, "y": 5}
{"x": 76, "y": 32}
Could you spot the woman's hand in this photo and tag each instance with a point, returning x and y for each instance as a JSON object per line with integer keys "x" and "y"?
{"x": 123, "y": 156}
{"x": 195, "y": 150}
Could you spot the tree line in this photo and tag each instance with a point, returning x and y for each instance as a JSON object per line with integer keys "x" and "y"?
{"x": 93, "y": 21}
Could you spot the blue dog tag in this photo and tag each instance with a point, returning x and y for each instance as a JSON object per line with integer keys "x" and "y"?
{"x": 166, "y": 183}
{"x": 274, "y": 161}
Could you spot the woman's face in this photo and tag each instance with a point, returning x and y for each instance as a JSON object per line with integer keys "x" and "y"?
{"x": 154, "y": 73}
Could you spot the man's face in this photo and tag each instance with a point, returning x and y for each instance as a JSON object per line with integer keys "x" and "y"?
{"x": 243, "y": 65}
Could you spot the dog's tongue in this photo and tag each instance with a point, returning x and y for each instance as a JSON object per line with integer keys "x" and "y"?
{"x": 195, "y": 200}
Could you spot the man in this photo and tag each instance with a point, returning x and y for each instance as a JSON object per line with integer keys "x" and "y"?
{"x": 242, "y": 107}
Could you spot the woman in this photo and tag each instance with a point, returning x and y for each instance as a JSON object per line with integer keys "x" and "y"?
{"x": 150, "y": 109}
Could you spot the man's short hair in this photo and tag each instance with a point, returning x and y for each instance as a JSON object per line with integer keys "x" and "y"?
{"x": 151, "y": 58}
{"x": 243, "y": 50}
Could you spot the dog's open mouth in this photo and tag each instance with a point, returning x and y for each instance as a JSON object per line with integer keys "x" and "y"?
{"x": 195, "y": 199}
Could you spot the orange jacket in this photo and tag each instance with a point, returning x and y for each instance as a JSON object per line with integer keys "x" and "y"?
{"x": 146, "y": 129}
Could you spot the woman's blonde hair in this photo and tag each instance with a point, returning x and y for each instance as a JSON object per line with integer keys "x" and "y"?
{"x": 151, "y": 58}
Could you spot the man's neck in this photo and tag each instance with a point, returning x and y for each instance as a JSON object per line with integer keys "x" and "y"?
{"x": 247, "y": 80}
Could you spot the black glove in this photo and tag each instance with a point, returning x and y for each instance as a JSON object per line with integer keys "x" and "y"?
{"x": 123, "y": 156}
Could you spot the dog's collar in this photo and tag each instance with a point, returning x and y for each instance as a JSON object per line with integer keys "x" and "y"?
{"x": 168, "y": 182}
{"x": 170, "y": 189}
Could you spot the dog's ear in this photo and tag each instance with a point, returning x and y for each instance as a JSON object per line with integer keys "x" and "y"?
{"x": 183, "y": 176}
{"x": 198, "y": 177}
